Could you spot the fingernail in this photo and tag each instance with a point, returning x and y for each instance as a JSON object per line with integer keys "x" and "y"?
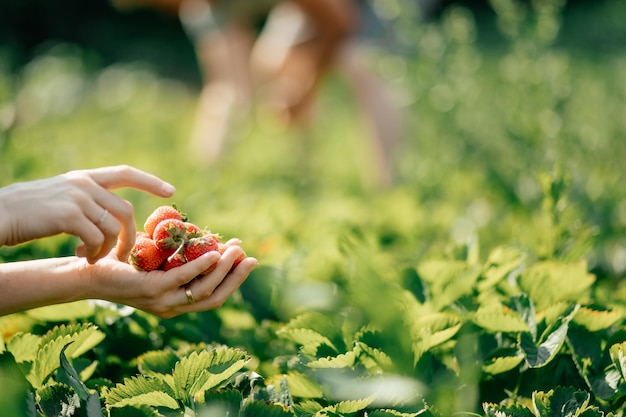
{"x": 168, "y": 189}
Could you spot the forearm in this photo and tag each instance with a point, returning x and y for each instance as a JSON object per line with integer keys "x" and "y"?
{"x": 30, "y": 284}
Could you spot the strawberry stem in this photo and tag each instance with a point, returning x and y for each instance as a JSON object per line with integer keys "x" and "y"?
{"x": 182, "y": 244}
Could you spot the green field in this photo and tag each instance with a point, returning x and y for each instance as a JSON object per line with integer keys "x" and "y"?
{"x": 491, "y": 272}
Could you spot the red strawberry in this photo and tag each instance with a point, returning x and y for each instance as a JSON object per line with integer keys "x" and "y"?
{"x": 145, "y": 255}
{"x": 170, "y": 235}
{"x": 174, "y": 261}
{"x": 158, "y": 215}
{"x": 221, "y": 248}
{"x": 142, "y": 234}
{"x": 198, "y": 246}
{"x": 192, "y": 230}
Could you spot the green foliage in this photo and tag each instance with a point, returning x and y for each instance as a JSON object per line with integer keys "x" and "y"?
{"x": 488, "y": 281}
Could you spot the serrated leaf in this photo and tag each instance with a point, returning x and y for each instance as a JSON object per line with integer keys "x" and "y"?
{"x": 595, "y": 320}
{"x": 618, "y": 356}
{"x": 497, "y": 318}
{"x": 307, "y": 408}
{"x": 512, "y": 410}
{"x": 432, "y": 330}
{"x": 157, "y": 362}
{"x": 551, "y": 281}
{"x": 57, "y": 400}
{"x": 263, "y": 409}
{"x": 565, "y": 402}
{"x": 138, "y": 390}
{"x": 307, "y": 338}
{"x": 205, "y": 370}
{"x": 588, "y": 353}
{"x": 315, "y": 321}
{"x": 377, "y": 356}
{"x": 392, "y": 413}
{"x": 538, "y": 355}
{"x": 84, "y": 335}
{"x": 501, "y": 262}
{"x": 345, "y": 360}
{"x": 153, "y": 399}
{"x": 501, "y": 364}
{"x": 134, "y": 411}
{"x": 345, "y": 407}
{"x": 448, "y": 280}
{"x": 24, "y": 346}
{"x": 82, "y": 338}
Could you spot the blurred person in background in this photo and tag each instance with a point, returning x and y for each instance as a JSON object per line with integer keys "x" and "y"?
{"x": 279, "y": 52}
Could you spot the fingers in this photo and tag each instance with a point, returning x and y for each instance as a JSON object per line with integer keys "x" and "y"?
{"x": 126, "y": 176}
{"x": 113, "y": 216}
{"x": 212, "y": 290}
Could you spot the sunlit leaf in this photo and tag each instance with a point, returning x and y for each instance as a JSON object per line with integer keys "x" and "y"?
{"x": 497, "y": 318}
{"x": 344, "y": 407}
{"x": 550, "y": 281}
{"x": 541, "y": 353}
{"x": 513, "y": 410}
{"x": 204, "y": 370}
{"x": 595, "y": 319}
{"x": 501, "y": 262}
{"x": 24, "y": 346}
{"x": 560, "y": 402}
{"x": 501, "y": 364}
{"x": 134, "y": 411}
{"x": 80, "y": 337}
{"x": 157, "y": 362}
{"x": 263, "y": 409}
{"x": 344, "y": 360}
{"x": 140, "y": 390}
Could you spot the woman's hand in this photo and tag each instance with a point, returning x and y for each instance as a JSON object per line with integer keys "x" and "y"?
{"x": 78, "y": 203}
{"x": 170, "y": 293}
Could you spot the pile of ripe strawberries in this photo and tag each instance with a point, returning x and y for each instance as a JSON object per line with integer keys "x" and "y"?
{"x": 170, "y": 240}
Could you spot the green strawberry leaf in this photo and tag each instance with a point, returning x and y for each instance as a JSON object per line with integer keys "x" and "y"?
{"x": 263, "y": 409}
{"x": 501, "y": 364}
{"x": 24, "y": 347}
{"x": 81, "y": 338}
{"x": 134, "y": 411}
{"x": 141, "y": 390}
{"x": 57, "y": 400}
{"x": 541, "y": 353}
{"x": 344, "y": 407}
{"x": 496, "y": 318}
{"x": 299, "y": 385}
{"x": 596, "y": 319}
{"x": 560, "y": 401}
{"x": 223, "y": 402}
{"x": 551, "y": 281}
{"x": 157, "y": 362}
{"x": 201, "y": 371}
{"x": 512, "y": 410}
{"x": 501, "y": 262}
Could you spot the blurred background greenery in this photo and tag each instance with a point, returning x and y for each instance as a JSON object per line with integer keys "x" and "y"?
{"x": 515, "y": 127}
